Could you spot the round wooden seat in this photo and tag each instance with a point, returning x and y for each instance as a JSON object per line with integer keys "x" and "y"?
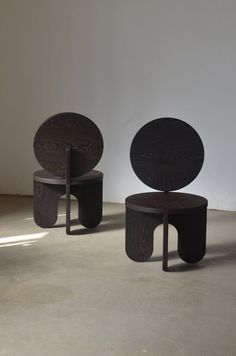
{"x": 43, "y": 176}
{"x": 165, "y": 203}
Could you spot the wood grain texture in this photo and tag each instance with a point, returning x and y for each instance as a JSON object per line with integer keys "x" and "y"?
{"x": 68, "y": 130}
{"x": 139, "y": 234}
{"x": 46, "y": 198}
{"x": 191, "y": 228}
{"x": 45, "y": 203}
{"x": 90, "y": 203}
{"x": 167, "y": 154}
{"x": 191, "y": 234}
{"x": 46, "y": 177}
{"x": 169, "y": 203}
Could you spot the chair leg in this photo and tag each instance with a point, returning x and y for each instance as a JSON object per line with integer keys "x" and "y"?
{"x": 90, "y": 203}
{"x": 139, "y": 234}
{"x": 191, "y": 235}
{"x": 165, "y": 243}
{"x": 45, "y": 203}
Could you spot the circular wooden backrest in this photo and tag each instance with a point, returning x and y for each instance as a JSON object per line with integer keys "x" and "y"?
{"x": 167, "y": 154}
{"x": 68, "y": 130}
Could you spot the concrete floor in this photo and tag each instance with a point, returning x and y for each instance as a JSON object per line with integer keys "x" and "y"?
{"x": 81, "y": 295}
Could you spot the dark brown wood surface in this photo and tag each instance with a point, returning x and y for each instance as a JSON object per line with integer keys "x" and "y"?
{"x": 68, "y": 130}
{"x": 167, "y": 154}
{"x": 48, "y": 178}
{"x": 191, "y": 228}
{"x": 165, "y": 203}
{"x": 46, "y": 197}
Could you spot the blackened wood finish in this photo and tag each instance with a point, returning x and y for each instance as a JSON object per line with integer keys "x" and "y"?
{"x": 167, "y": 154}
{"x": 68, "y": 130}
{"x": 88, "y": 194}
{"x": 68, "y": 146}
{"x": 68, "y": 175}
{"x": 190, "y": 225}
{"x": 43, "y": 176}
{"x": 165, "y": 203}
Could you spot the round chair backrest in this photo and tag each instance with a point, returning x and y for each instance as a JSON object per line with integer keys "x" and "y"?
{"x": 167, "y": 154}
{"x": 68, "y": 130}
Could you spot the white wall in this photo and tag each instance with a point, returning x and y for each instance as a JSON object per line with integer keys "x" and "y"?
{"x": 122, "y": 63}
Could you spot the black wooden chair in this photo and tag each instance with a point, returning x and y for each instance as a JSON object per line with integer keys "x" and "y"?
{"x": 166, "y": 154}
{"x": 68, "y": 146}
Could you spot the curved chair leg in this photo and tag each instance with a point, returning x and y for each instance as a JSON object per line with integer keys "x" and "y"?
{"x": 139, "y": 234}
{"x": 90, "y": 203}
{"x": 191, "y": 235}
{"x": 45, "y": 203}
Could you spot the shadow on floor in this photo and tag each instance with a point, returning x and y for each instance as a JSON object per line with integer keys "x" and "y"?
{"x": 216, "y": 255}
{"x": 223, "y": 254}
{"x": 110, "y": 222}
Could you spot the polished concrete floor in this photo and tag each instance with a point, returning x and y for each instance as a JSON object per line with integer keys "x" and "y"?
{"x": 81, "y": 295}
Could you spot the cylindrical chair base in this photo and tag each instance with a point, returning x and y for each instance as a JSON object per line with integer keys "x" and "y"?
{"x": 48, "y": 189}
{"x": 187, "y": 212}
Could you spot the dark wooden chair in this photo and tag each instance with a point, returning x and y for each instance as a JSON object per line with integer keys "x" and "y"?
{"x": 68, "y": 146}
{"x": 166, "y": 154}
